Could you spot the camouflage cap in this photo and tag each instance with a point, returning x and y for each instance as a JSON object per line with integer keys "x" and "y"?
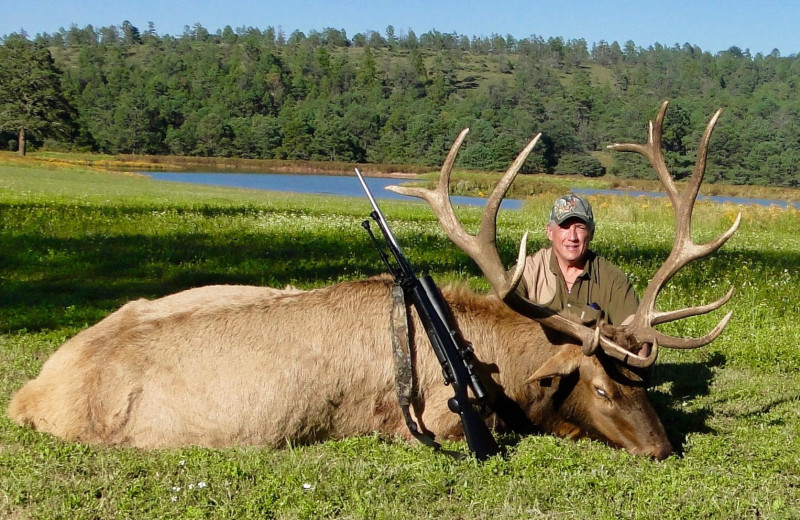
{"x": 571, "y": 205}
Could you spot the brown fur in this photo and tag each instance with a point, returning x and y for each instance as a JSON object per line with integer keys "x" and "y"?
{"x": 233, "y": 365}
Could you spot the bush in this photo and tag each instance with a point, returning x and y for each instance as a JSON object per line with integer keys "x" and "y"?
{"x": 583, "y": 164}
{"x": 54, "y": 145}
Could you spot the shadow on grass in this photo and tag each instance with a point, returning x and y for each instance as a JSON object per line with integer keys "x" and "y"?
{"x": 50, "y": 281}
{"x": 689, "y": 380}
{"x": 54, "y": 282}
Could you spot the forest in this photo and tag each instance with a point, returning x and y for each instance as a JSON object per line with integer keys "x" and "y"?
{"x": 395, "y": 97}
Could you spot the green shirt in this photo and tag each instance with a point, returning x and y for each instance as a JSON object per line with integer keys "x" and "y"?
{"x": 601, "y": 291}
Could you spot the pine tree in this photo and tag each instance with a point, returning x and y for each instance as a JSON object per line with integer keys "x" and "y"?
{"x": 31, "y": 98}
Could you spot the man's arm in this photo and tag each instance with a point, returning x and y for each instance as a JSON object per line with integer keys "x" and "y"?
{"x": 623, "y": 300}
{"x": 538, "y": 283}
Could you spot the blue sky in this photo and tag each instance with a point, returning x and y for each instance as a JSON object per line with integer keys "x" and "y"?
{"x": 759, "y": 26}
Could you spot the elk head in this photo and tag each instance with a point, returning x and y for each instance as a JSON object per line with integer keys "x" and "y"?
{"x": 601, "y": 343}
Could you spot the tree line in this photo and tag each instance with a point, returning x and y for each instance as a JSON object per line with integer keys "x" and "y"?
{"x": 397, "y": 97}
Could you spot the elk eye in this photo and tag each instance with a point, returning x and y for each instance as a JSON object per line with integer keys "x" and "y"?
{"x": 602, "y": 393}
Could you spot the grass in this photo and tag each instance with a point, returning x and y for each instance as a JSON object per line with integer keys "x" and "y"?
{"x": 76, "y": 243}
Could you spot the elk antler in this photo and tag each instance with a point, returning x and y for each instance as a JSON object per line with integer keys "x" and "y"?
{"x": 482, "y": 247}
{"x": 684, "y": 250}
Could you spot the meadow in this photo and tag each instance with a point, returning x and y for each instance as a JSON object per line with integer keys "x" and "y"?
{"x": 76, "y": 243}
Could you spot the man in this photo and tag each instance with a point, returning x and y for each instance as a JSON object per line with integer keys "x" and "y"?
{"x": 569, "y": 278}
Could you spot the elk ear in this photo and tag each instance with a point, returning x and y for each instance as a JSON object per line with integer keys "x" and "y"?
{"x": 565, "y": 362}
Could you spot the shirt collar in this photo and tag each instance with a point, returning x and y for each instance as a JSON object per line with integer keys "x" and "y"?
{"x": 586, "y": 270}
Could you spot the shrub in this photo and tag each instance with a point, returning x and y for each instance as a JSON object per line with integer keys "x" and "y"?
{"x": 583, "y": 164}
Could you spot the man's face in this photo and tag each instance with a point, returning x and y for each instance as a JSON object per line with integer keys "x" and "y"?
{"x": 570, "y": 240}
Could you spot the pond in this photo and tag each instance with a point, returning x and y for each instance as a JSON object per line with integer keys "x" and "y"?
{"x": 338, "y": 185}
{"x": 348, "y": 186}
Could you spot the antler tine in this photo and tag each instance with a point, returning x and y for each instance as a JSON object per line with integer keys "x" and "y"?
{"x": 450, "y": 160}
{"x": 628, "y": 357}
{"x": 692, "y": 343}
{"x": 439, "y": 199}
{"x": 489, "y": 219}
{"x": 659, "y": 317}
{"x": 700, "y": 166}
{"x": 652, "y": 151}
{"x": 684, "y": 250}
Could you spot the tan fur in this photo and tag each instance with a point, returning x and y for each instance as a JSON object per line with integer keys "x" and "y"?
{"x": 236, "y": 365}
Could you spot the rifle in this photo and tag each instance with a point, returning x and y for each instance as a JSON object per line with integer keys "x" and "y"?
{"x": 456, "y": 361}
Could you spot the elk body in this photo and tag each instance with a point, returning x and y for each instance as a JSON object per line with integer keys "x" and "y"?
{"x": 234, "y": 365}
{"x": 254, "y": 366}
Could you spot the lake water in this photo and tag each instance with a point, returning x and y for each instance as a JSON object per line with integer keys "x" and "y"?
{"x": 348, "y": 186}
{"x": 339, "y": 185}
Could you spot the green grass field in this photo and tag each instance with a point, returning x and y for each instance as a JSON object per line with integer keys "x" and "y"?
{"x": 76, "y": 244}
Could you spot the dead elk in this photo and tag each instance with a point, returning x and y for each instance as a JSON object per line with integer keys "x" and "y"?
{"x": 232, "y": 365}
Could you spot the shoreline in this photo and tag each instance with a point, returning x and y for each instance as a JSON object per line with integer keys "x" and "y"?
{"x": 141, "y": 165}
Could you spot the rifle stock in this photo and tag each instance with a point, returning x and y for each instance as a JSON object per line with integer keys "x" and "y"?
{"x": 456, "y": 360}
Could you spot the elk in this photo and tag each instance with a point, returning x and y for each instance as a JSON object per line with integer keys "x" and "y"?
{"x": 236, "y": 365}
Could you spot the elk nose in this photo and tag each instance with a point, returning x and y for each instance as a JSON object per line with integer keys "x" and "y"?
{"x": 660, "y": 451}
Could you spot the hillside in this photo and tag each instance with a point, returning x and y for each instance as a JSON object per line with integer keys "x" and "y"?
{"x": 375, "y": 99}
